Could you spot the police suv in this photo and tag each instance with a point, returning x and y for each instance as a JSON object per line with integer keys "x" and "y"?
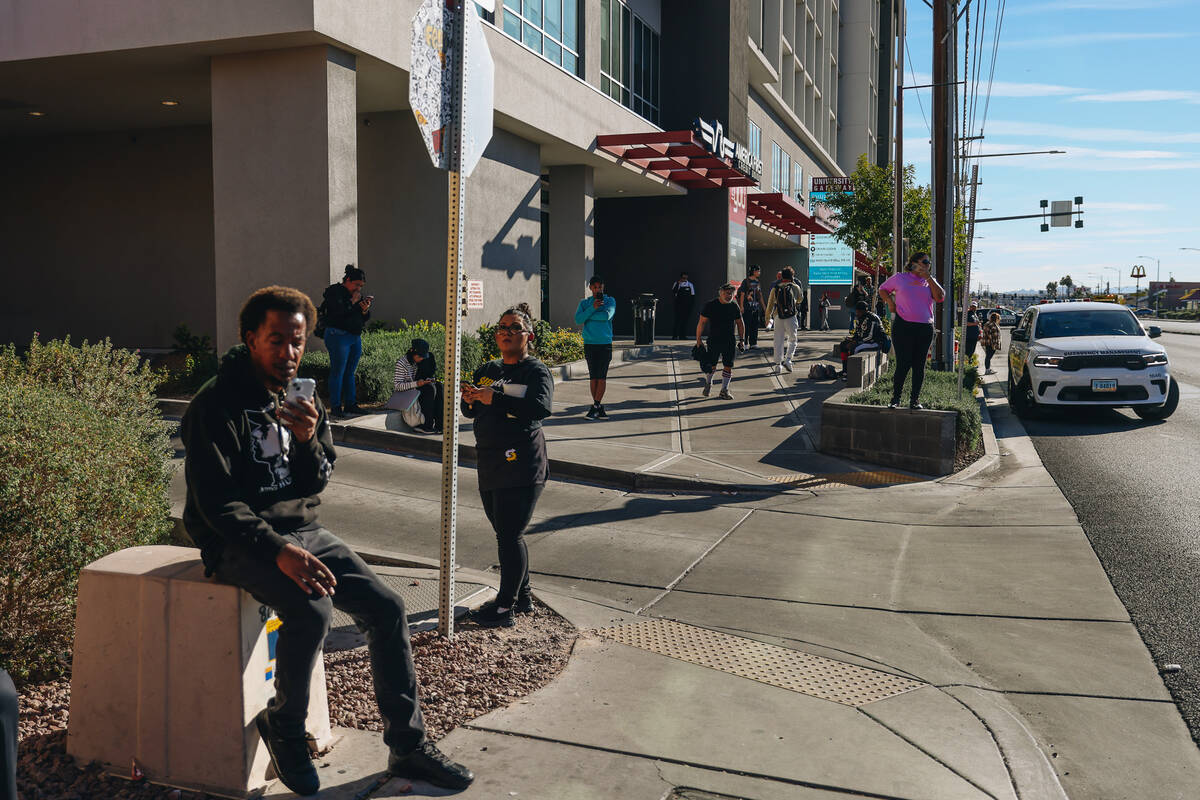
{"x": 1088, "y": 354}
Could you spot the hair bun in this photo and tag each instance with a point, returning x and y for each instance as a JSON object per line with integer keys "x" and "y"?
{"x": 349, "y": 269}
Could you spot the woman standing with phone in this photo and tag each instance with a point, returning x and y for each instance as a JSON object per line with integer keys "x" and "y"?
{"x": 508, "y": 399}
{"x": 345, "y": 312}
{"x": 911, "y": 296}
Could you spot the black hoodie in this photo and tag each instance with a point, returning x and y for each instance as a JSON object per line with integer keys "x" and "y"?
{"x": 248, "y": 479}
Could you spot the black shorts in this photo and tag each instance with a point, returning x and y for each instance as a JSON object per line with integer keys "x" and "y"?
{"x": 598, "y": 357}
{"x": 726, "y": 350}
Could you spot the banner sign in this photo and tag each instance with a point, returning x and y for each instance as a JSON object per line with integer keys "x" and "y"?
{"x": 829, "y": 261}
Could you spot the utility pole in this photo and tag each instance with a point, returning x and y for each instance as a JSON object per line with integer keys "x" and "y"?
{"x": 962, "y": 351}
{"x": 945, "y": 95}
{"x": 898, "y": 254}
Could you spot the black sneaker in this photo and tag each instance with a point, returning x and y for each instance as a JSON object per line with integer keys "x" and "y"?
{"x": 524, "y": 604}
{"x": 600, "y": 413}
{"x": 488, "y": 615}
{"x": 337, "y": 413}
{"x": 429, "y": 764}
{"x": 592, "y": 412}
{"x": 354, "y": 409}
{"x": 916, "y": 406}
{"x": 290, "y": 758}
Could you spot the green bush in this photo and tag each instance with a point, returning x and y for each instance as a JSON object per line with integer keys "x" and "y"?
{"x": 381, "y": 349}
{"x": 940, "y": 392}
{"x": 551, "y": 345}
{"x": 198, "y": 365}
{"x": 86, "y": 467}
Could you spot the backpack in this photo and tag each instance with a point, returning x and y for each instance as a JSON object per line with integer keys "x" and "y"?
{"x": 322, "y": 319}
{"x": 822, "y": 372}
{"x": 785, "y": 301}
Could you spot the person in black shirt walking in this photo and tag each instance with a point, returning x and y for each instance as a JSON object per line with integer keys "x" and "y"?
{"x": 750, "y": 298}
{"x": 508, "y": 400}
{"x": 722, "y": 316}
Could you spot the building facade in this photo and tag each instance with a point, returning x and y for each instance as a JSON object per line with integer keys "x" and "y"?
{"x": 165, "y": 159}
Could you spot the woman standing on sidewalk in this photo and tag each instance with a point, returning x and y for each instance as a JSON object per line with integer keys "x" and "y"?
{"x": 508, "y": 400}
{"x": 911, "y": 296}
{"x": 345, "y": 311}
{"x": 990, "y": 339}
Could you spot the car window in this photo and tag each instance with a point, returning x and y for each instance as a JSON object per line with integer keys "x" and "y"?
{"x": 1026, "y": 320}
{"x": 1088, "y": 323}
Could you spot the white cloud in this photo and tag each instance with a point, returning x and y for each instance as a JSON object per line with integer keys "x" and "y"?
{"x": 1089, "y": 5}
{"x": 1099, "y": 37}
{"x": 1142, "y": 96}
{"x": 1012, "y": 88}
{"x": 1018, "y": 128}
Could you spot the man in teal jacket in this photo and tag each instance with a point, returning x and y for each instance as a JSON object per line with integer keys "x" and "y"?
{"x": 595, "y": 314}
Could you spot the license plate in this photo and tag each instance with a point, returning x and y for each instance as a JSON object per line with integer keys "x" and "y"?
{"x": 1104, "y": 385}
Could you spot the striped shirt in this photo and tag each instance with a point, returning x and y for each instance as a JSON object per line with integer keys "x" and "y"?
{"x": 406, "y": 375}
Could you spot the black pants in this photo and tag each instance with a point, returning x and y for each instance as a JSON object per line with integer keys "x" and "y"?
{"x": 910, "y": 345}
{"x": 683, "y": 314}
{"x": 8, "y": 738}
{"x": 972, "y": 337}
{"x": 988, "y": 352}
{"x": 430, "y": 398}
{"x": 803, "y": 319}
{"x": 509, "y": 510}
{"x": 750, "y": 318}
{"x": 377, "y": 611}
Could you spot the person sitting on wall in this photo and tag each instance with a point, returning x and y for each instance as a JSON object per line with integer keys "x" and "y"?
{"x": 868, "y": 335}
{"x": 255, "y": 466}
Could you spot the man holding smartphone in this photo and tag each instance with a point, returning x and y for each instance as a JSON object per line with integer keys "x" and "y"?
{"x": 595, "y": 314}
{"x": 255, "y": 467}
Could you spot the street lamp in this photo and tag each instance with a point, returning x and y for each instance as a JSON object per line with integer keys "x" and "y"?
{"x": 1157, "y": 278}
{"x": 1118, "y": 271}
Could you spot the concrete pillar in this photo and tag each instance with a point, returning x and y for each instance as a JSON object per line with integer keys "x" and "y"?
{"x": 285, "y": 178}
{"x": 572, "y": 239}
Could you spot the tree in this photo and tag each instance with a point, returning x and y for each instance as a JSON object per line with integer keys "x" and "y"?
{"x": 1052, "y": 289}
{"x": 865, "y": 216}
{"x": 1066, "y": 282}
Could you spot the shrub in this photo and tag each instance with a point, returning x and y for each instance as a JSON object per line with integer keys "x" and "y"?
{"x": 198, "y": 365}
{"x": 551, "y": 345}
{"x": 940, "y": 392}
{"x": 87, "y": 463}
{"x": 381, "y": 350}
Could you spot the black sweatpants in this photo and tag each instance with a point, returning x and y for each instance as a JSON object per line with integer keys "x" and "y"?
{"x": 910, "y": 345}
{"x": 683, "y": 315}
{"x": 429, "y": 397}
{"x": 377, "y": 611}
{"x": 8, "y": 738}
{"x": 751, "y": 321}
{"x": 509, "y": 510}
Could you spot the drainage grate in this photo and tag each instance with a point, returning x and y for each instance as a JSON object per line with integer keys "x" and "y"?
{"x": 866, "y": 478}
{"x": 789, "y": 669}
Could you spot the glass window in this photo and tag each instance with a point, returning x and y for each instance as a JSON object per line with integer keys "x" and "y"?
{"x": 776, "y": 164}
{"x": 785, "y": 174}
{"x": 629, "y": 59}
{"x": 755, "y": 141}
{"x": 798, "y": 182}
{"x": 549, "y": 28}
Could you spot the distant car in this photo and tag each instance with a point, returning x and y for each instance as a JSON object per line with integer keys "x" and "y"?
{"x": 1007, "y": 318}
{"x": 1144, "y": 312}
{"x": 1088, "y": 354}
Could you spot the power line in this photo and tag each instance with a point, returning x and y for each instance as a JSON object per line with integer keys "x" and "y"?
{"x": 911, "y": 72}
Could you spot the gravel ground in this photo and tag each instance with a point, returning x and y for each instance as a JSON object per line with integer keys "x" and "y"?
{"x": 480, "y": 671}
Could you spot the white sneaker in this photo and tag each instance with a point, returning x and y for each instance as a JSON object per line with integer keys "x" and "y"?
{"x": 990, "y": 372}
{"x": 787, "y": 365}
{"x": 775, "y": 370}
{"x": 725, "y": 395}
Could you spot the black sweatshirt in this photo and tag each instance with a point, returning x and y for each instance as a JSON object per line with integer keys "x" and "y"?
{"x": 508, "y": 433}
{"x": 341, "y": 313}
{"x": 248, "y": 479}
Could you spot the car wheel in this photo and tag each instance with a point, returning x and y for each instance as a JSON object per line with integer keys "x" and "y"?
{"x": 1163, "y": 411}
{"x": 1018, "y": 397}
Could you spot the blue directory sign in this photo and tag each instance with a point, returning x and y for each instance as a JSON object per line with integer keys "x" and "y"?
{"x": 827, "y": 275}
{"x": 830, "y": 262}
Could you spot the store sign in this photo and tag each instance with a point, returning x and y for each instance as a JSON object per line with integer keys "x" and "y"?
{"x": 829, "y": 260}
{"x": 737, "y": 230}
{"x": 712, "y": 135}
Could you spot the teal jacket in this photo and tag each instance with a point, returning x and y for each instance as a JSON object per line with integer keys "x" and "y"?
{"x": 596, "y": 322}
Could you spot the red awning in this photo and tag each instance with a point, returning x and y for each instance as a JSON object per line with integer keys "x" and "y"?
{"x": 782, "y": 214}
{"x": 677, "y": 156}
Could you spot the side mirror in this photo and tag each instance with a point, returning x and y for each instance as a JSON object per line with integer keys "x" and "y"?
{"x": 1020, "y": 336}
{"x": 1154, "y": 332}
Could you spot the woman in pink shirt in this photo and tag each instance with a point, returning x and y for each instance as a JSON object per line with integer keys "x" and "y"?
{"x": 911, "y": 296}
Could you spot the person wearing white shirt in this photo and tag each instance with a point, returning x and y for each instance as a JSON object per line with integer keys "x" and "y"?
{"x": 684, "y": 292}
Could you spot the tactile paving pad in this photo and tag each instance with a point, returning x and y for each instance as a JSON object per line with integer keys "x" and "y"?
{"x": 796, "y": 671}
{"x": 866, "y": 478}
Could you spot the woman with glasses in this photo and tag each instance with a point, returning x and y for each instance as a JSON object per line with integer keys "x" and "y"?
{"x": 508, "y": 399}
{"x": 911, "y": 296}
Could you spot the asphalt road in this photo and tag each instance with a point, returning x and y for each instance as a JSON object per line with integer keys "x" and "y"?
{"x": 1136, "y": 488}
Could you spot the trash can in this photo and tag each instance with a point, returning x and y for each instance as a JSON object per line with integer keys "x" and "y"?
{"x": 643, "y": 318}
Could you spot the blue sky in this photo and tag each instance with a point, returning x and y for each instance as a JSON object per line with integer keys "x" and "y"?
{"x": 1115, "y": 83}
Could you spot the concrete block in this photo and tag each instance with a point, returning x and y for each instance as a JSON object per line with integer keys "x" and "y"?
{"x": 170, "y": 669}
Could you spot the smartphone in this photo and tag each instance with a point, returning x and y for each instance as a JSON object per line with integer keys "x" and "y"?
{"x": 300, "y": 388}
{"x": 370, "y": 298}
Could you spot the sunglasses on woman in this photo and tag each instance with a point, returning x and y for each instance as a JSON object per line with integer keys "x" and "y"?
{"x": 513, "y": 329}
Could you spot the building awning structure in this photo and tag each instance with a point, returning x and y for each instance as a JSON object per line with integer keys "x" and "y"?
{"x": 782, "y": 214}
{"x": 677, "y": 156}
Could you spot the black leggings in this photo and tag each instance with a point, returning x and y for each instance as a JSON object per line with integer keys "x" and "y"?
{"x": 430, "y": 398}
{"x": 509, "y": 511}
{"x": 988, "y": 352}
{"x": 910, "y": 345}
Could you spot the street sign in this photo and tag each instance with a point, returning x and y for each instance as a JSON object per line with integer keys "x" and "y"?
{"x": 479, "y": 72}
{"x": 432, "y": 82}
{"x": 474, "y": 295}
{"x": 431, "y": 77}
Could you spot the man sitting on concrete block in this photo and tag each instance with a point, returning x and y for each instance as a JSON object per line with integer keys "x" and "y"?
{"x": 255, "y": 467}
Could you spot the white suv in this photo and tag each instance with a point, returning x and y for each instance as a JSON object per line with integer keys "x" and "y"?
{"x": 1088, "y": 354}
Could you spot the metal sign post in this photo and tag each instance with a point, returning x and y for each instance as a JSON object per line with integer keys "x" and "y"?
{"x": 966, "y": 296}
{"x": 450, "y": 90}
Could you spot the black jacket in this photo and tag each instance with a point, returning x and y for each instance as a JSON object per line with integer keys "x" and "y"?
{"x": 508, "y": 433}
{"x": 341, "y": 313}
{"x": 248, "y": 479}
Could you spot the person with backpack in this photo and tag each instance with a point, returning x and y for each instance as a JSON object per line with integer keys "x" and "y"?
{"x": 868, "y": 335}
{"x": 684, "y": 292}
{"x": 750, "y": 298}
{"x": 782, "y": 309}
{"x": 340, "y": 320}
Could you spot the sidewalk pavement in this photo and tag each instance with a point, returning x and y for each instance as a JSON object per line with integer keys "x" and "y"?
{"x": 952, "y": 639}
{"x": 664, "y": 434}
